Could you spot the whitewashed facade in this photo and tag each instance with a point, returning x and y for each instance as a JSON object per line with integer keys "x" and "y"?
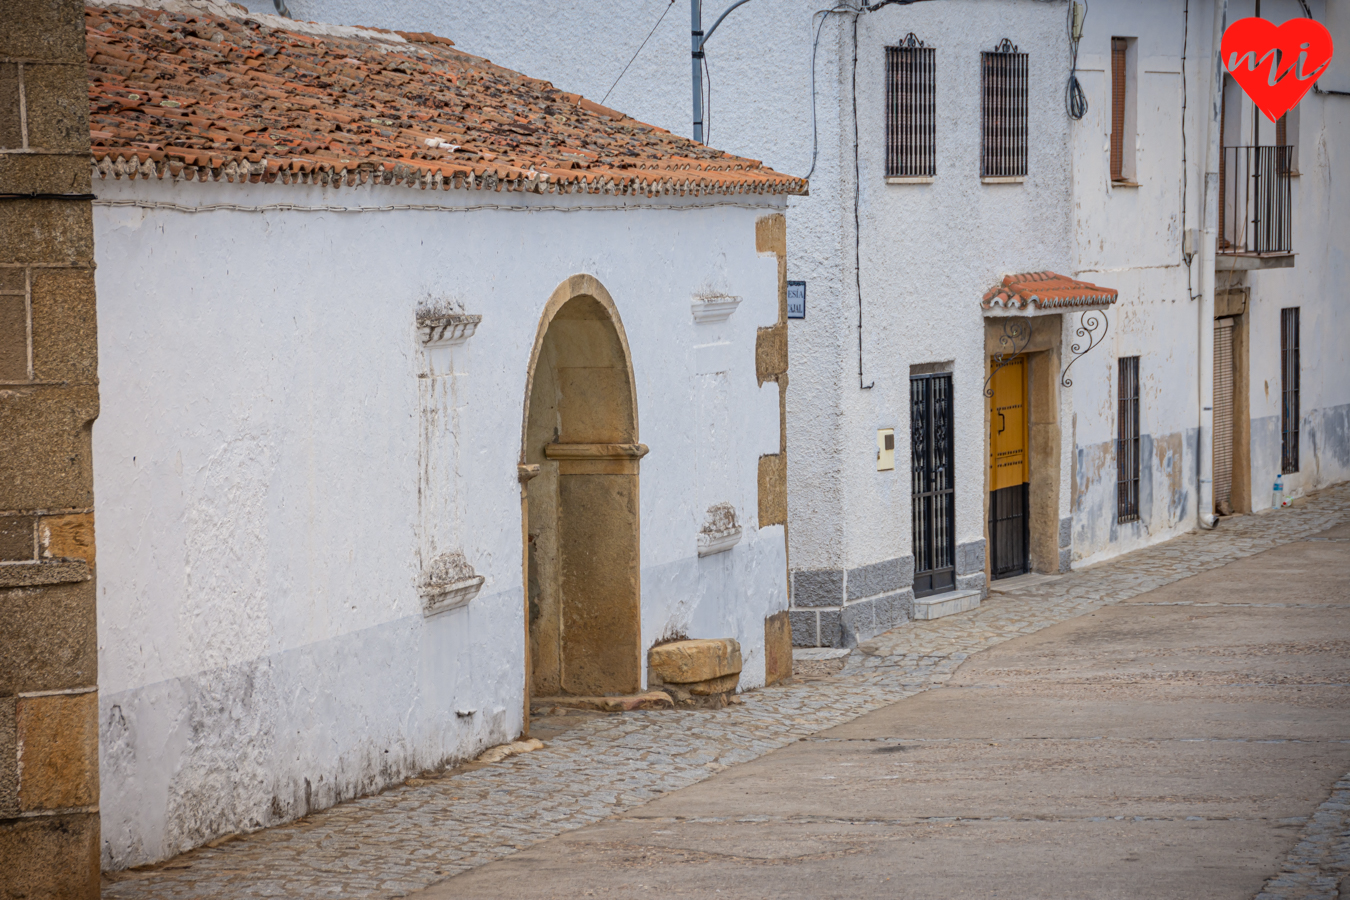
{"x": 929, "y": 251}
{"x": 280, "y": 457}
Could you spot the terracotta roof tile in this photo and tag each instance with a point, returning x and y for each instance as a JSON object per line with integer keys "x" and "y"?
{"x": 213, "y": 96}
{"x": 1046, "y": 290}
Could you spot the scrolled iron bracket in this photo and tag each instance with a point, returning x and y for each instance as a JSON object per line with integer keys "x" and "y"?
{"x": 1014, "y": 330}
{"x": 1088, "y": 323}
{"x": 1005, "y": 46}
{"x": 911, "y": 42}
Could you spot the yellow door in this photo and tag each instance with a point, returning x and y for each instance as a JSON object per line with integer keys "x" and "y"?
{"x": 1008, "y": 426}
{"x": 1009, "y": 472}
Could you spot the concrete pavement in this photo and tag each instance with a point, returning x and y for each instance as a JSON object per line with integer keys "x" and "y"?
{"x": 1176, "y": 744}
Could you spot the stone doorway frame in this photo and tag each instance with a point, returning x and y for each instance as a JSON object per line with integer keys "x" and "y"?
{"x": 1049, "y": 536}
{"x": 578, "y": 469}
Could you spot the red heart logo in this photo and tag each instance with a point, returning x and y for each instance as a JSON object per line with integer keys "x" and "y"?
{"x": 1276, "y": 65}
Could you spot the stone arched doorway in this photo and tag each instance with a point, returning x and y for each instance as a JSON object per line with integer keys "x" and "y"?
{"x": 581, "y": 542}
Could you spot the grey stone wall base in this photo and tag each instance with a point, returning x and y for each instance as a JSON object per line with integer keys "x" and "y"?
{"x": 817, "y": 587}
{"x": 880, "y": 578}
{"x": 970, "y": 557}
{"x": 805, "y": 627}
{"x": 846, "y": 626}
{"x": 1065, "y": 559}
{"x": 974, "y": 582}
{"x": 1066, "y": 532}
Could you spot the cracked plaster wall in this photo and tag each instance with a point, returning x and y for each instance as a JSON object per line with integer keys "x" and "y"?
{"x": 1130, "y": 238}
{"x": 272, "y": 473}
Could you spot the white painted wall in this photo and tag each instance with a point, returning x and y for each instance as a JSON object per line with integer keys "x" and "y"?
{"x": 929, "y": 252}
{"x": 1131, "y": 238}
{"x": 262, "y": 646}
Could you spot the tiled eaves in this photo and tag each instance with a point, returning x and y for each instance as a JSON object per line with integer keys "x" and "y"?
{"x": 180, "y": 92}
{"x": 1046, "y": 290}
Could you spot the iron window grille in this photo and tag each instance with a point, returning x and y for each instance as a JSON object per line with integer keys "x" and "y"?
{"x": 911, "y": 110}
{"x": 1003, "y": 111}
{"x": 933, "y": 485}
{"x": 1289, "y": 383}
{"x": 1127, "y": 440}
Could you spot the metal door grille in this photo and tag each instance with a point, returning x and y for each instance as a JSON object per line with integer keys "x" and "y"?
{"x": 1223, "y": 415}
{"x": 932, "y": 483}
{"x": 1289, "y": 379}
{"x": 1003, "y": 111}
{"x": 911, "y": 110}
{"x": 1009, "y": 531}
{"x": 1127, "y": 440}
{"x": 1118, "y": 57}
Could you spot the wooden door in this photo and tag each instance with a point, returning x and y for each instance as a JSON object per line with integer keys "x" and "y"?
{"x": 1009, "y": 470}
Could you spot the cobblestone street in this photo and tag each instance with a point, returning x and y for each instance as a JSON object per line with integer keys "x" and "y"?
{"x": 415, "y": 836}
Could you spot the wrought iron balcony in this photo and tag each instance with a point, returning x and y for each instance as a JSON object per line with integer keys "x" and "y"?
{"x": 1255, "y": 215}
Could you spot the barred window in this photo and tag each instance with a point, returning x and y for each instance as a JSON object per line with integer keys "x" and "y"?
{"x": 1289, "y": 378}
{"x": 1003, "y": 111}
{"x": 911, "y": 110}
{"x": 1127, "y": 440}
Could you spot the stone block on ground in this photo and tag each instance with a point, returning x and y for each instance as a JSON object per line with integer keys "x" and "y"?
{"x": 695, "y": 661}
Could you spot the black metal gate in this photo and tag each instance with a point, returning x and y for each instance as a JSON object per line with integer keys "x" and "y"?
{"x": 931, "y": 480}
{"x": 1009, "y": 531}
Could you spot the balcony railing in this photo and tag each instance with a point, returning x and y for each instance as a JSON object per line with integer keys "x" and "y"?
{"x": 1254, "y": 200}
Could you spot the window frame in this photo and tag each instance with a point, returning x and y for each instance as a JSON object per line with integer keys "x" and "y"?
{"x": 1127, "y": 439}
{"x": 1123, "y": 71}
{"x": 1290, "y": 384}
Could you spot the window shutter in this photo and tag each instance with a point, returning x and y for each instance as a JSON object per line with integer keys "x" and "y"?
{"x": 1117, "y": 108}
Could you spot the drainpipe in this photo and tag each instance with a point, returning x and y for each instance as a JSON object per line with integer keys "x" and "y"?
{"x": 1209, "y": 240}
{"x": 696, "y": 54}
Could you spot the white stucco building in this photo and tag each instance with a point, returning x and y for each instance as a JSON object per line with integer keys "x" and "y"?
{"x": 386, "y": 334}
{"x": 899, "y": 263}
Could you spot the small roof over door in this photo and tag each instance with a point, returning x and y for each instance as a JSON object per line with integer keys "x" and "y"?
{"x": 1043, "y": 293}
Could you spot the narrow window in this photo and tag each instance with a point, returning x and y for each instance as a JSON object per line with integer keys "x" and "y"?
{"x": 1289, "y": 378}
{"x": 910, "y": 110}
{"x": 1122, "y": 109}
{"x": 1003, "y": 112}
{"x": 1286, "y": 138}
{"x": 1127, "y": 440}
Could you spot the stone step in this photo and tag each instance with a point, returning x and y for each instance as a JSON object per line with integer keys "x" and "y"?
{"x": 648, "y": 700}
{"x": 948, "y": 604}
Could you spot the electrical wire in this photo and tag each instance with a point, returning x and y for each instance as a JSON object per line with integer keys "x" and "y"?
{"x": 1317, "y": 89}
{"x": 707, "y": 105}
{"x": 1075, "y": 101}
{"x": 857, "y": 225}
{"x": 635, "y": 53}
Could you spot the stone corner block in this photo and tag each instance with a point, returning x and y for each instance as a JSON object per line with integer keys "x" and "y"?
{"x": 1065, "y": 560}
{"x": 805, "y": 627}
{"x": 1066, "y": 531}
{"x": 58, "y": 747}
{"x": 777, "y": 648}
{"x": 817, "y": 587}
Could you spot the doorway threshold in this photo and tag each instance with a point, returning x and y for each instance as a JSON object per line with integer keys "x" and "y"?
{"x": 1021, "y": 582}
{"x": 936, "y": 606}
